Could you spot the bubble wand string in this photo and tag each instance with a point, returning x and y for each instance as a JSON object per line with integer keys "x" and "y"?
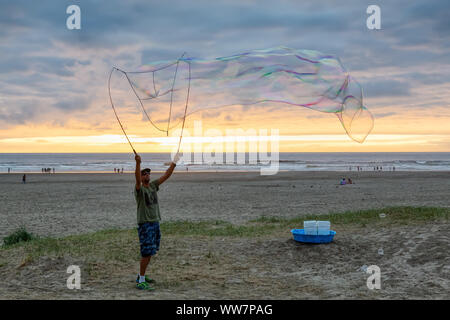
{"x": 114, "y": 109}
{"x": 142, "y": 106}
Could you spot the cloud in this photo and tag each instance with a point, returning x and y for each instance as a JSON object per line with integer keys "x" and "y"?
{"x": 44, "y": 65}
{"x": 21, "y": 112}
{"x": 384, "y": 115}
{"x": 386, "y": 88}
{"x": 72, "y": 104}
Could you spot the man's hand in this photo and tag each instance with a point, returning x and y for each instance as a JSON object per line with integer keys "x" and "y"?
{"x": 138, "y": 159}
{"x": 176, "y": 158}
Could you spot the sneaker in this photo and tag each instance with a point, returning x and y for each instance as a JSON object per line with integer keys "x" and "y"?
{"x": 144, "y": 286}
{"x": 147, "y": 279}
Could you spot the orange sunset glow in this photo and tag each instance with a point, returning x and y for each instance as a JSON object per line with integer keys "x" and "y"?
{"x": 54, "y": 84}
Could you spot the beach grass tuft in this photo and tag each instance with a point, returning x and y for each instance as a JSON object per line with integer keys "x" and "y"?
{"x": 20, "y": 235}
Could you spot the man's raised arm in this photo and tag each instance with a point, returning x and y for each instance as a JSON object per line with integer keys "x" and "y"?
{"x": 137, "y": 173}
{"x": 167, "y": 174}
{"x": 169, "y": 171}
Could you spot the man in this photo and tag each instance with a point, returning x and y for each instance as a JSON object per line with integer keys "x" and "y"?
{"x": 148, "y": 217}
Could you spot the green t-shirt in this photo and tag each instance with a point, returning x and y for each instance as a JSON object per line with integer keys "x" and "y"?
{"x": 147, "y": 203}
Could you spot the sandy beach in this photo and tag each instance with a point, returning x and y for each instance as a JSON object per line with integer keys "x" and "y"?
{"x": 415, "y": 263}
{"x": 66, "y": 204}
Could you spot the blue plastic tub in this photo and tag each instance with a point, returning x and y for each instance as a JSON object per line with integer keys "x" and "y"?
{"x": 300, "y": 236}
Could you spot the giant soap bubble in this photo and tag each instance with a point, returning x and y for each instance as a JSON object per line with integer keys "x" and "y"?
{"x": 167, "y": 93}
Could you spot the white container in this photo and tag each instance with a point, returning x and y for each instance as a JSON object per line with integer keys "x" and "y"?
{"x": 310, "y": 227}
{"x": 323, "y": 228}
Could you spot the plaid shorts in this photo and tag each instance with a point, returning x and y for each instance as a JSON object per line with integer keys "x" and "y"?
{"x": 149, "y": 238}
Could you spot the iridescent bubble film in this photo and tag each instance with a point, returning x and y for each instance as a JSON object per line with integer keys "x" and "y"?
{"x": 168, "y": 93}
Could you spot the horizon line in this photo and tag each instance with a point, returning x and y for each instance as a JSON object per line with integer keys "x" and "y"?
{"x": 226, "y": 152}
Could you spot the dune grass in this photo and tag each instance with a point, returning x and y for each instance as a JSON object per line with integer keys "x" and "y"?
{"x": 20, "y": 235}
{"x": 271, "y": 225}
{"x": 392, "y": 215}
{"x": 122, "y": 245}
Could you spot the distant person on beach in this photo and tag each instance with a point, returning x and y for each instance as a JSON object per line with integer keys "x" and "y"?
{"x": 24, "y": 179}
{"x": 349, "y": 181}
{"x": 148, "y": 217}
{"x": 9, "y": 170}
{"x": 342, "y": 182}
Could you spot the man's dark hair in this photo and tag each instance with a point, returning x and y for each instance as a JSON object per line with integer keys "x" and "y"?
{"x": 145, "y": 170}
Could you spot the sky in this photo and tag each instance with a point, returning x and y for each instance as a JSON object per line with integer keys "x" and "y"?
{"x": 54, "y": 90}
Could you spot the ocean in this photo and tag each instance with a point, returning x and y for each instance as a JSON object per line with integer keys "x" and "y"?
{"x": 288, "y": 161}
